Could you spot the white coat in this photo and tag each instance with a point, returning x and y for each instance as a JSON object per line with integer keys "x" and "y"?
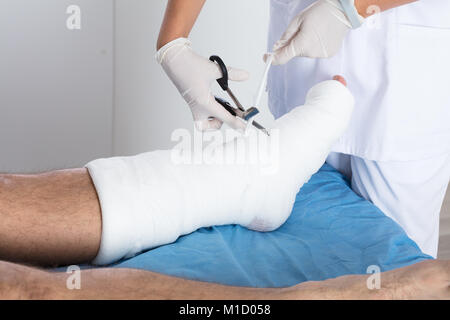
{"x": 397, "y": 66}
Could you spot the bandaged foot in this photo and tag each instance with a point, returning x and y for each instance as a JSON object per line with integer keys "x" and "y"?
{"x": 149, "y": 200}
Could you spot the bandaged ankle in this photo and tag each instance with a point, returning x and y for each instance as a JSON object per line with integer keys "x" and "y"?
{"x": 148, "y": 200}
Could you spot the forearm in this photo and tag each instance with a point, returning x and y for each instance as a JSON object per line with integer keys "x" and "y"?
{"x": 130, "y": 284}
{"x": 425, "y": 280}
{"x": 112, "y": 284}
{"x": 179, "y": 19}
{"x": 364, "y": 6}
{"x": 21, "y": 282}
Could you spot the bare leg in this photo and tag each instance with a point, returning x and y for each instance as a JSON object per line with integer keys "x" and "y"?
{"x": 426, "y": 280}
{"x": 49, "y": 219}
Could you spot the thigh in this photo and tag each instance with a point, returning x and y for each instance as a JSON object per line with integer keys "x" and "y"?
{"x": 410, "y": 192}
{"x": 49, "y": 219}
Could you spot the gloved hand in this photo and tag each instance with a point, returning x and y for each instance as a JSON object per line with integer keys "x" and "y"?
{"x": 317, "y": 32}
{"x": 193, "y": 75}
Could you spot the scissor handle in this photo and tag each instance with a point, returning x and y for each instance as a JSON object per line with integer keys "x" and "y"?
{"x": 223, "y": 82}
{"x": 227, "y": 106}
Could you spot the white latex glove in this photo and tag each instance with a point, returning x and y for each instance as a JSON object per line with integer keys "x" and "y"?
{"x": 193, "y": 75}
{"x": 317, "y": 32}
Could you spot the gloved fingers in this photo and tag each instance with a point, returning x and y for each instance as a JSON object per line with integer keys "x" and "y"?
{"x": 210, "y": 115}
{"x": 284, "y": 54}
{"x": 266, "y": 56}
{"x": 297, "y": 47}
{"x": 214, "y": 124}
{"x": 234, "y": 74}
{"x": 237, "y": 74}
{"x": 209, "y": 124}
{"x": 290, "y": 33}
{"x": 220, "y": 113}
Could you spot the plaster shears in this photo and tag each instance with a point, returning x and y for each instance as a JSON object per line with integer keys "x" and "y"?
{"x": 240, "y": 112}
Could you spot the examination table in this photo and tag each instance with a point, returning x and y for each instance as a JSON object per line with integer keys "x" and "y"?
{"x": 331, "y": 232}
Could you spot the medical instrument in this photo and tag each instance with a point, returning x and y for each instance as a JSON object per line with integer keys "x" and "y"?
{"x": 264, "y": 79}
{"x": 192, "y": 75}
{"x": 240, "y": 111}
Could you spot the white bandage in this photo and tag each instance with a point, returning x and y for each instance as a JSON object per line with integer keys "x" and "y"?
{"x": 148, "y": 200}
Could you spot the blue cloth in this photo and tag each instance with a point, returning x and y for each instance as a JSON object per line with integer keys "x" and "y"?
{"x": 331, "y": 232}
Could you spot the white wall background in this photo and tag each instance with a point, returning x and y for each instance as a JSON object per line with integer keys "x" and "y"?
{"x": 56, "y": 85}
{"x": 67, "y": 97}
{"x": 148, "y": 107}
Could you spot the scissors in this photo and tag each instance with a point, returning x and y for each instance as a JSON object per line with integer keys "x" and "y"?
{"x": 240, "y": 111}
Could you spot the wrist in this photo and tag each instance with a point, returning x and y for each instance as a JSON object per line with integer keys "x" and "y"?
{"x": 165, "y": 39}
{"x": 176, "y": 42}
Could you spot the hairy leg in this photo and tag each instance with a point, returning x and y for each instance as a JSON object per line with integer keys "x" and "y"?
{"x": 426, "y": 280}
{"x": 49, "y": 219}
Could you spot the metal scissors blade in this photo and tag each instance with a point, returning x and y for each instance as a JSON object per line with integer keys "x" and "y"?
{"x": 240, "y": 110}
{"x": 243, "y": 115}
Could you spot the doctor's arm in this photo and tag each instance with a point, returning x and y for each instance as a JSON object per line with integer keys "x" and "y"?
{"x": 191, "y": 73}
{"x": 179, "y": 19}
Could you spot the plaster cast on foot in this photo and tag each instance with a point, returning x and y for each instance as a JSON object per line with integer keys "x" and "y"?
{"x": 148, "y": 200}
